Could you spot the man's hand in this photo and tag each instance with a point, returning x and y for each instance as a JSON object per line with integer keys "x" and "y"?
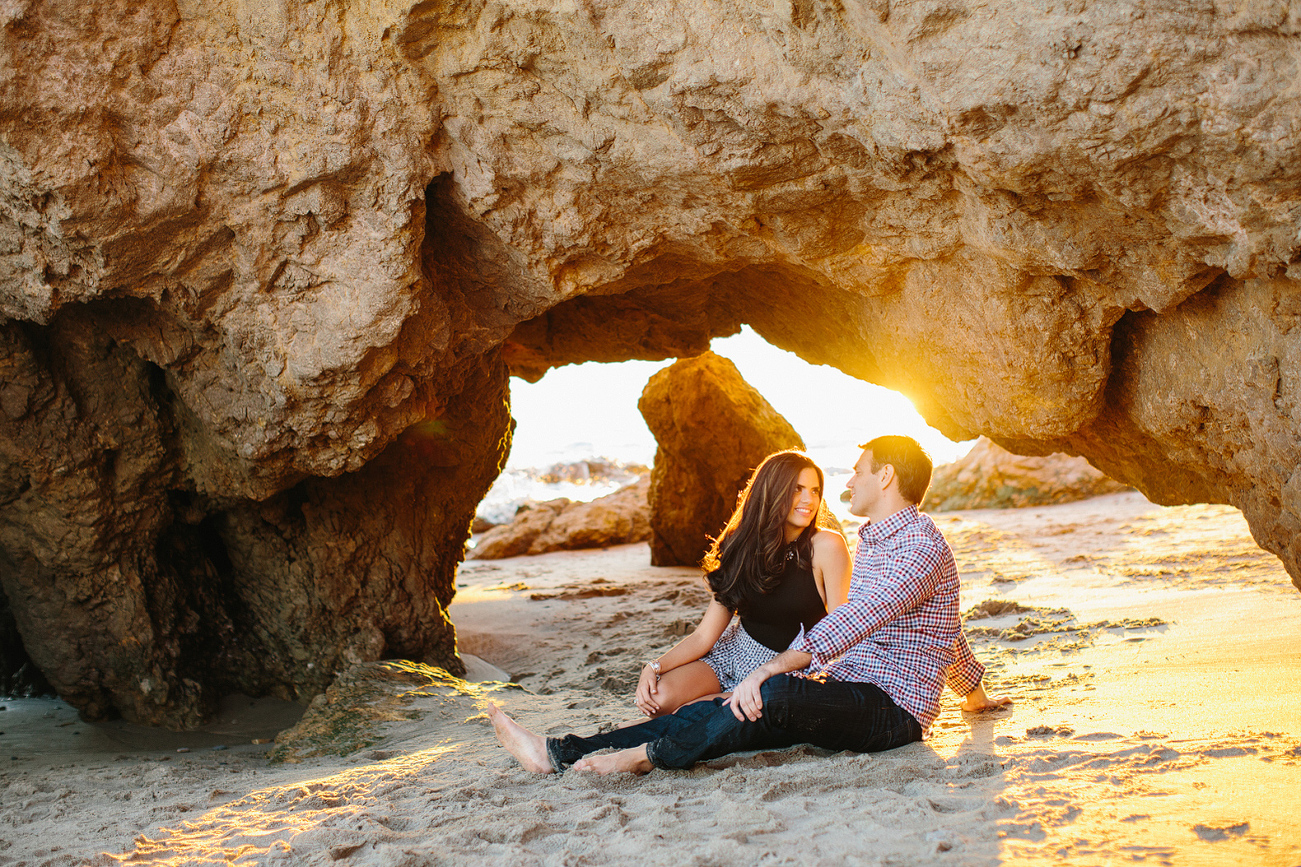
{"x": 746, "y": 702}
{"x": 976, "y": 701}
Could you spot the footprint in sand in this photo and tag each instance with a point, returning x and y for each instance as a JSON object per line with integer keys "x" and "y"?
{"x": 1215, "y": 835}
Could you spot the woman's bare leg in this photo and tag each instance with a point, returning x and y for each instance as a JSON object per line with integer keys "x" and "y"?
{"x": 683, "y": 685}
{"x": 709, "y": 697}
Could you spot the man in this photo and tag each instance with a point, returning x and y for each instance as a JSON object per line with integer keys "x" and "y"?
{"x": 875, "y": 667}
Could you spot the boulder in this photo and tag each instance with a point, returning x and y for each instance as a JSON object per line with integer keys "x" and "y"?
{"x": 515, "y": 538}
{"x": 615, "y": 519}
{"x": 991, "y": 477}
{"x": 562, "y": 525}
{"x": 711, "y": 430}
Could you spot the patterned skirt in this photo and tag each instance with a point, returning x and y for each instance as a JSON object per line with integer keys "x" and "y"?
{"x": 735, "y": 655}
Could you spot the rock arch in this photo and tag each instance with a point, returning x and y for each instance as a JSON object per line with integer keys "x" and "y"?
{"x": 264, "y": 271}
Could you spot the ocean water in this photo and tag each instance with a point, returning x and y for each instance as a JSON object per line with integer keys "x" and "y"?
{"x": 586, "y": 478}
{"x": 581, "y": 479}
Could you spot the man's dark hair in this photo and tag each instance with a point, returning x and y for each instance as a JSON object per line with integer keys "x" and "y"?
{"x": 912, "y": 466}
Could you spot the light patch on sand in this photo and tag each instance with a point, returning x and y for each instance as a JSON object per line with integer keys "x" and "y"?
{"x": 333, "y": 814}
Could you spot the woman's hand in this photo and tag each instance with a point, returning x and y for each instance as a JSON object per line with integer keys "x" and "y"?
{"x": 647, "y": 687}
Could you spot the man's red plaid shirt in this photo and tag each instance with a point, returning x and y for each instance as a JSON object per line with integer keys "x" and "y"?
{"x": 900, "y": 628}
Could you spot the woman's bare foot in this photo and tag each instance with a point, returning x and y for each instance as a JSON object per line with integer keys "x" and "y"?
{"x": 629, "y": 761}
{"x": 529, "y": 749}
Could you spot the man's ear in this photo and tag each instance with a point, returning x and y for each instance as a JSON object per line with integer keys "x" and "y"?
{"x": 889, "y": 477}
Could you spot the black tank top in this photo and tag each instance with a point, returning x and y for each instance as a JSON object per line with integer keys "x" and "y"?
{"x": 774, "y": 619}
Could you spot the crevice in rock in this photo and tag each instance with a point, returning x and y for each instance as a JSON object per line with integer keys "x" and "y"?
{"x": 19, "y": 676}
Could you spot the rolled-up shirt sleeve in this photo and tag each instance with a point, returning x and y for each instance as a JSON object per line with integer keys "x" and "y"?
{"x": 966, "y": 672}
{"x": 904, "y": 583}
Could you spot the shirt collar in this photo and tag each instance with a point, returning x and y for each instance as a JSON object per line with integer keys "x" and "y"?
{"x": 875, "y": 532}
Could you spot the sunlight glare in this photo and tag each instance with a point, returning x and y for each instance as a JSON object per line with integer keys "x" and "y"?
{"x": 590, "y": 410}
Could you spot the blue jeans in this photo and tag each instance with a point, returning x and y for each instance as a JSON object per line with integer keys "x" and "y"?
{"x": 834, "y": 715}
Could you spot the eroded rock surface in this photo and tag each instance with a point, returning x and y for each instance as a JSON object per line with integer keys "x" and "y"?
{"x": 245, "y": 247}
{"x": 515, "y": 538}
{"x": 175, "y": 597}
{"x": 711, "y": 430}
{"x": 991, "y": 477}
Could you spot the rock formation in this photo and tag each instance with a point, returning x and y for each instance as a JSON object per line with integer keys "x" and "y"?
{"x": 247, "y": 249}
{"x": 563, "y": 525}
{"x": 990, "y": 477}
{"x": 514, "y": 539}
{"x": 176, "y": 596}
{"x": 620, "y": 518}
{"x": 711, "y": 430}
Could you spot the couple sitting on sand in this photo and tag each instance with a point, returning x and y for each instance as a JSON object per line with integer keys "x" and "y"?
{"x": 817, "y": 656}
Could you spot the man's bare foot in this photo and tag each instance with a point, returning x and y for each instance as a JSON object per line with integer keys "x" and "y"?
{"x": 629, "y": 761}
{"x": 529, "y": 749}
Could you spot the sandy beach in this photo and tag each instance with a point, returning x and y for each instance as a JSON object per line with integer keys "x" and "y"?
{"x": 1150, "y": 652}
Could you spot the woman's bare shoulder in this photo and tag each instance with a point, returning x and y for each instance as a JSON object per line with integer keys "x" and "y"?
{"x": 829, "y": 540}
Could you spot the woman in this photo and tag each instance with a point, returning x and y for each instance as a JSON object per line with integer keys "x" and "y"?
{"x": 775, "y": 567}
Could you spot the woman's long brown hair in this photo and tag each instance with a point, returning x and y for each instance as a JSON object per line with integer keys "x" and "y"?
{"x": 749, "y": 556}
